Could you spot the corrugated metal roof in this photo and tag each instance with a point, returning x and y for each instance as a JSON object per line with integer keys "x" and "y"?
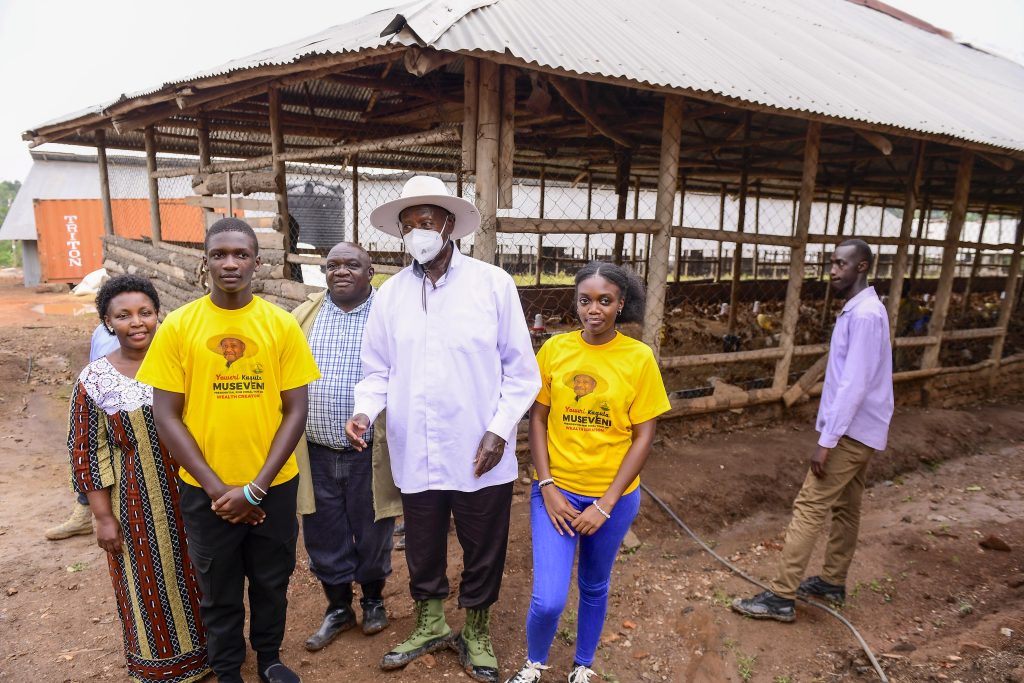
{"x": 828, "y": 57}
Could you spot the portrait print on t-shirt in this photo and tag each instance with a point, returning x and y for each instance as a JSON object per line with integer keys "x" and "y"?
{"x": 242, "y": 373}
{"x": 589, "y": 410}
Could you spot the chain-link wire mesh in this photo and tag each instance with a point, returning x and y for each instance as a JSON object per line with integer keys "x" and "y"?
{"x": 722, "y": 293}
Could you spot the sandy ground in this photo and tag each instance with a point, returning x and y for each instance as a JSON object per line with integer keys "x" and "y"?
{"x": 931, "y": 602}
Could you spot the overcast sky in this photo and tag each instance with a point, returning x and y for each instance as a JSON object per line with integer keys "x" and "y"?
{"x": 60, "y": 56}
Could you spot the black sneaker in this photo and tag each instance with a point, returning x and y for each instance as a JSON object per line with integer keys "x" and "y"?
{"x": 817, "y": 587}
{"x": 766, "y": 605}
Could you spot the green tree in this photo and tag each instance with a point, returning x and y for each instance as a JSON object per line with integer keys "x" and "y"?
{"x": 10, "y": 250}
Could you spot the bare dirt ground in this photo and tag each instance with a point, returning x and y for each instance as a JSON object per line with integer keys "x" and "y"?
{"x": 930, "y": 601}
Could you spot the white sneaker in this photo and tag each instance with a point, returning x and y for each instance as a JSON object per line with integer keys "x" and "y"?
{"x": 582, "y": 674}
{"x": 530, "y": 673}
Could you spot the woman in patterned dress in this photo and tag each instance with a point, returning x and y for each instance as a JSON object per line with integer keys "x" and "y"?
{"x": 117, "y": 460}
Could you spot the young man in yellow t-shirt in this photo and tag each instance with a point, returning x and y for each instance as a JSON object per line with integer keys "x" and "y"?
{"x": 229, "y": 373}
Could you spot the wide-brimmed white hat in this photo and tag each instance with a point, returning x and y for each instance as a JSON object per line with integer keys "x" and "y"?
{"x": 423, "y": 189}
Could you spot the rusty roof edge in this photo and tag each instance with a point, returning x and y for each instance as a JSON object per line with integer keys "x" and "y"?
{"x": 738, "y": 103}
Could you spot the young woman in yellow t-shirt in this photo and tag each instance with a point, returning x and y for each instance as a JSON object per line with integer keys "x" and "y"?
{"x": 591, "y": 429}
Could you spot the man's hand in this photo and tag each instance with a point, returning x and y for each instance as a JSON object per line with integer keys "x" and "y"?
{"x": 488, "y": 453}
{"x": 233, "y": 507}
{"x": 355, "y": 428}
{"x": 108, "y": 534}
{"x": 818, "y": 462}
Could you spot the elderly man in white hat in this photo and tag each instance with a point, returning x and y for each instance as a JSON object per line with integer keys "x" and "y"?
{"x": 447, "y": 350}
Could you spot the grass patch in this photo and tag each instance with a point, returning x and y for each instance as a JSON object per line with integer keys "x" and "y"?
{"x": 745, "y": 666}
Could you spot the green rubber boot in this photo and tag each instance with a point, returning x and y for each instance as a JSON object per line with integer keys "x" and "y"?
{"x": 474, "y": 647}
{"x": 431, "y": 634}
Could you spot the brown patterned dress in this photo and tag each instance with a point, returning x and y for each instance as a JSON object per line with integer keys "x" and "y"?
{"x": 113, "y": 445}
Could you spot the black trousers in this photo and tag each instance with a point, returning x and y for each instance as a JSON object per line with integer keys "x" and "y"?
{"x": 227, "y": 554}
{"x": 481, "y": 523}
{"x": 343, "y": 542}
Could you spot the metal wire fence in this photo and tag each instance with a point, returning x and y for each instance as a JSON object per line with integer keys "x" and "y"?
{"x": 724, "y": 293}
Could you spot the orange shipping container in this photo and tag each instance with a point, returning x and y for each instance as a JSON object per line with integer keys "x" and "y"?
{"x": 70, "y": 231}
{"x": 69, "y": 238}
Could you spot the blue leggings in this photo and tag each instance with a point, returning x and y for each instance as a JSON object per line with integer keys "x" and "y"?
{"x": 552, "y": 569}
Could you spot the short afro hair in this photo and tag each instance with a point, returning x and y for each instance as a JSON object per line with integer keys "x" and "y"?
{"x": 861, "y": 247}
{"x": 120, "y": 285}
{"x": 232, "y": 225}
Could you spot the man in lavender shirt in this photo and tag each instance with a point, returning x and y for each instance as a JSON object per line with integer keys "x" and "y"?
{"x": 853, "y": 423}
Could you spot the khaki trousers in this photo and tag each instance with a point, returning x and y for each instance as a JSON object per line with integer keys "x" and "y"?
{"x": 836, "y": 495}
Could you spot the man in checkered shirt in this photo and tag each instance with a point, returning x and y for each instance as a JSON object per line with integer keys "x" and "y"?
{"x": 349, "y": 536}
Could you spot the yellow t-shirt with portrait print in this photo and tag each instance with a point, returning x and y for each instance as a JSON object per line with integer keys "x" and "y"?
{"x": 596, "y": 394}
{"x": 232, "y": 366}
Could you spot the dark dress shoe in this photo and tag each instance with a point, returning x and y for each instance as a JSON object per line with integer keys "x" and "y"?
{"x": 817, "y": 587}
{"x": 335, "y": 621}
{"x": 375, "y": 618}
{"x": 278, "y": 673}
{"x": 766, "y": 605}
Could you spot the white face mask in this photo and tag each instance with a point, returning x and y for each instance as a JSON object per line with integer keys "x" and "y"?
{"x": 424, "y": 245}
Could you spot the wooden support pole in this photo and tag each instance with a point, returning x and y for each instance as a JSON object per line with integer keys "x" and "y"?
{"x": 623, "y": 161}
{"x": 757, "y": 228}
{"x": 277, "y": 144}
{"x": 881, "y": 233}
{"x": 590, "y": 206}
{"x": 682, "y": 217}
{"x": 355, "y": 199}
{"x": 203, "y": 145}
{"x": 100, "y": 136}
{"x": 741, "y": 218}
{"x": 657, "y": 285}
{"x": 899, "y": 267}
{"x": 806, "y": 381}
{"x": 1008, "y": 303}
{"x": 507, "y": 142}
{"x": 291, "y": 240}
{"x": 471, "y": 99}
{"x": 976, "y": 263}
{"x": 791, "y": 311}
{"x": 844, "y": 211}
{"x": 154, "y": 187}
{"x": 636, "y": 216}
{"x": 540, "y": 236}
{"x": 828, "y": 208}
{"x": 485, "y": 241}
{"x": 721, "y": 228}
{"x": 944, "y": 292}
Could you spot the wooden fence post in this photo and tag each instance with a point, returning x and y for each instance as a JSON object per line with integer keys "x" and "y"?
{"x": 470, "y": 108}
{"x": 657, "y": 275}
{"x": 737, "y": 254}
{"x": 154, "y": 187}
{"x": 791, "y": 312}
{"x": 944, "y": 292}
{"x": 1006, "y": 306}
{"x": 355, "y": 198}
{"x": 485, "y": 243}
{"x": 899, "y": 266}
{"x": 101, "y": 158}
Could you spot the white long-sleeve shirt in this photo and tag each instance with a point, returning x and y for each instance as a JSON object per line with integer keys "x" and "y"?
{"x": 449, "y": 362}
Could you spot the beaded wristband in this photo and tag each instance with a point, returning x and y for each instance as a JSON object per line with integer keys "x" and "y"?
{"x": 603, "y": 513}
{"x": 546, "y": 482}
